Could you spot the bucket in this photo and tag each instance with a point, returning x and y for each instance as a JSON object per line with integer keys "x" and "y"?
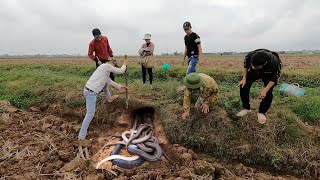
{"x": 293, "y": 89}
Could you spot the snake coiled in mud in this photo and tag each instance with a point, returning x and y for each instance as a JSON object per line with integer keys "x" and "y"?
{"x": 140, "y": 142}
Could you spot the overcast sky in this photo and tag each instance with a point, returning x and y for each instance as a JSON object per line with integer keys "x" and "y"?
{"x": 64, "y": 26}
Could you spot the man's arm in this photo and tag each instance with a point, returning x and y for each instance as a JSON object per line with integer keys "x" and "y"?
{"x": 184, "y": 54}
{"x": 264, "y": 92}
{"x": 141, "y": 50}
{"x": 114, "y": 84}
{"x": 200, "y": 54}
{"x": 211, "y": 96}
{"x": 270, "y": 85}
{"x": 187, "y": 100}
{"x": 118, "y": 70}
{"x": 151, "y": 49}
{"x": 246, "y": 66}
{"x": 277, "y": 72}
{"x": 90, "y": 51}
{"x": 244, "y": 73}
{"x": 109, "y": 48}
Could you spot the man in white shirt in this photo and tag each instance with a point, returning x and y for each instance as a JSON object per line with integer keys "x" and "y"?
{"x": 94, "y": 86}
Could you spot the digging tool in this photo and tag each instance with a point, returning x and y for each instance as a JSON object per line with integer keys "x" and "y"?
{"x": 126, "y": 80}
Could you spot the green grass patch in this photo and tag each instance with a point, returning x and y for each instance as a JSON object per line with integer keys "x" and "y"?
{"x": 218, "y": 133}
{"x": 306, "y": 107}
{"x": 26, "y": 85}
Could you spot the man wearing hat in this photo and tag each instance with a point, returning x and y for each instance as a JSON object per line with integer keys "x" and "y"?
{"x": 193, "y": 48}
{"x": 101, "y": 52}
{"x": 204, "y": 86}
{"x": 146, "y": 58}
{"x": 259, "y": 64}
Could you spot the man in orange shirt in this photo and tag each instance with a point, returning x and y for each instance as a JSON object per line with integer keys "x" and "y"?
{"x": 101, "y": 52}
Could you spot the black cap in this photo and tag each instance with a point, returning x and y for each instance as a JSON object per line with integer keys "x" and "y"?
{"x": 96, "y": 32}
{"x": 260, "y": 57}
{"x": 186, "y": 25}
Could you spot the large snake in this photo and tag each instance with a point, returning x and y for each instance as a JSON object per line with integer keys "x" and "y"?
{"x": 156, "y": 155}
{"x": 125, "y": 163}
{"x": 140, "y": 141}
{"x": 122, "y": 161}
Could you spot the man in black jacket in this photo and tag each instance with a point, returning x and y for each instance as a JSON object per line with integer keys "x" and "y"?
{"x": 259, "y": 64}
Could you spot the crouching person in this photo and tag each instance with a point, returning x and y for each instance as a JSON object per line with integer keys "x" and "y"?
{"x": 204, "y": 87}
{"x": 259, "y": 64}
{"x": 94, "y": 85}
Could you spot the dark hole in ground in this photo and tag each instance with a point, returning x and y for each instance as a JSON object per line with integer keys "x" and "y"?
{"x": 142, "y": 115}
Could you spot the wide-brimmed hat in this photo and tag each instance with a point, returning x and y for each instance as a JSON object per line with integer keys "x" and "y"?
{"x": 193, "y": 81}
{"x": 147, "y": 36}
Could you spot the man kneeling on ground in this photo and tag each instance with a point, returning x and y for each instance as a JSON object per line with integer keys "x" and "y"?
{"x": 204, "y": 87}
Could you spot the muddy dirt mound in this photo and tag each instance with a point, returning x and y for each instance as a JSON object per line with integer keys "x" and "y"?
{"x": 43, "y": 146}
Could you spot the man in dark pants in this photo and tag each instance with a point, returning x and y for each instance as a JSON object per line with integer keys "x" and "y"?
{"x": 259, "y": 64}
{"x": 101, "y": 52}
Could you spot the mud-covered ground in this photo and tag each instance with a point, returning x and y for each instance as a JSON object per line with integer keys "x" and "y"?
{"x": 35, "y": 145}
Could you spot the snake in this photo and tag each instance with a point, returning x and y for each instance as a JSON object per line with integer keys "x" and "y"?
{"x": 123, "y": 162}
{"x": 152, "y": 158}
{"x": 140, "y": 141}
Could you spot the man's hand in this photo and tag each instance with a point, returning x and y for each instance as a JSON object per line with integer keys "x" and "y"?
{"x": 124, "y": 87}
{"x": 201, "y": 62}
{"x": 125, "y": 62}
{"x": 263, "y": 94}
{"x": 97, "y": 60}
{"x": 242, "y": 83}
{"x": 204, "y": 108}
{"x": 183, "y": 61}
{"x": 185, "y": 115}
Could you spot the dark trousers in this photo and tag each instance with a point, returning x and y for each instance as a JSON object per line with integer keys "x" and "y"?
{"x": 144, "y": 74}
{"x": 265, "y": 104}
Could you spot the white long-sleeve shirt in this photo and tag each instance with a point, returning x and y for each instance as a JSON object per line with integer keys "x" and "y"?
{"x": 101, "y": 76}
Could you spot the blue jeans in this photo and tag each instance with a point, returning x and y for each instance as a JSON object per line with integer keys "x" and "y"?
{"x": 192, "y": 62}
{"x": 91, "y": 99}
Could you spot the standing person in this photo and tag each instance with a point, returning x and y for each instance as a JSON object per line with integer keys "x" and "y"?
{"x": 259, "y": 64}
{"x": 192, "y": 48}
{"x": 101, "y": 52}
{"x": 146, "y": 58}
{"x": 205, "y": 88}
{"x": 93, "y": 87}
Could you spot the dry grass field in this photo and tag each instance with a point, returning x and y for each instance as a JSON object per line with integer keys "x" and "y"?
{"x": 42, "y": 107}
{"x": 290, "y": 61}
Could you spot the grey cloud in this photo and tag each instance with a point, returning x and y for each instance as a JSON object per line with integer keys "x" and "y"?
{"x": 57, "y": 27}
